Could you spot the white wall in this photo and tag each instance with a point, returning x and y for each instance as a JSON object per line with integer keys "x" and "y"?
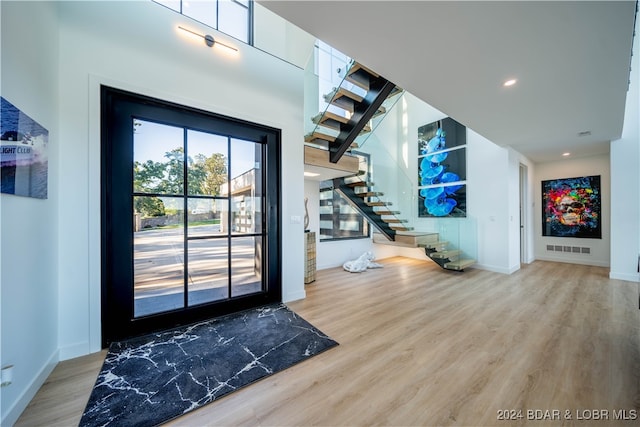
{"x": 625, "y": 183}
{"x": 516, "y": 159}
{"x": 489, "y": 188}
{"x": 334, "y": 253}
{"x": 113, "y": 43}
{"x": 279, "y": 37}
{"x": 29, "y": 244}
{"x": 568, "y": 168}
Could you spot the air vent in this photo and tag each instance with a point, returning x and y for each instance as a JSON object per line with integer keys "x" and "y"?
{"x": 569, "y": 249}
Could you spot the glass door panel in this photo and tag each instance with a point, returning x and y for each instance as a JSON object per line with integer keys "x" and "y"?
{"x": 158, "y": 261}
{"x": 207, "y": 157}
{"x": 246, "y": 187}
{"x": 208, "y": 270}
{"x": 206, "y": 216}
{"x": 158, "y": 153}
{"x": 246, "y": 265}
{"x": 184, "y": 223}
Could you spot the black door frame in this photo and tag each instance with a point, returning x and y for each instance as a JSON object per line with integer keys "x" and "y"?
{"x": 118, "y": 109}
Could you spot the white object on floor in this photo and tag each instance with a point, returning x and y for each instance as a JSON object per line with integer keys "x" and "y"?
{"x": 363, "y": 262}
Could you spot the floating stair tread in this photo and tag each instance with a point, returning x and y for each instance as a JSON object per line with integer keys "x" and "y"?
{"x": 360, "y": 76}
{"x": 357, "y": 80}
{"x": 370, "y": 194}
{"x": 400, "y": 228}
{"x": 374, "y": 204}
{"x": 387, "y": 212}
{"x": 336, "y": 123}
{"x": 415, "y": 238}
{"x": 382, "y": 240}
{"x": 433, "y": 245}
{"x": 460, "y": 264}
{"x": 328, "y": 115}
{"x": 357, "y": 67}
{"x": 339, "y": 93}
{"x": 359, "y": 184}
{"x": 396, "y": 90}
{"x": 407, "y": 239}
{"x": 312, "y": 137}
{"x": 445, "y": 254}
{"x": 380, "y": 112}
{"x": 395, "y": 221}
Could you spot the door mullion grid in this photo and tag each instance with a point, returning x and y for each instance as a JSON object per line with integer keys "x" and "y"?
{"x": 229, "y": 219}
{"x": 185, "y": 222}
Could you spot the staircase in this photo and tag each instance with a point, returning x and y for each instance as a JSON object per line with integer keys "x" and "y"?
{"x": 354, "y": 108}
{"x": 434, "y": 248}
{"x": 362, "y": 197}
{"x": 351, "y": 107}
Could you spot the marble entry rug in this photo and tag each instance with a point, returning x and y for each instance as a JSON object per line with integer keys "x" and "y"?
{"x": 149, "y": 380}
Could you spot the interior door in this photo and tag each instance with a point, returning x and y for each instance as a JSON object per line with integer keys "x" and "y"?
{"x": 190, "y": 215}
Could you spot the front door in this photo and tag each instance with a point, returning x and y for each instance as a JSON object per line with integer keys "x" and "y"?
{"x": 190, "y": 219}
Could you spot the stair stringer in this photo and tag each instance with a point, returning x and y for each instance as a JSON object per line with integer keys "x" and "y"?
{"x": 360, "y": 205}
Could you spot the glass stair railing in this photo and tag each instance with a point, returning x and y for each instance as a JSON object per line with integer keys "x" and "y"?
{"x": 383, "y": 194}
{"x": 341, "y": 107}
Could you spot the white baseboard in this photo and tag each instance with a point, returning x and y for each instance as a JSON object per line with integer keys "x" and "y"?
{"x": 10, "y": 417}
{"x": 495, "y": 269}
{"x": 629, "y": 277}
{"x": 574, "y": 261}
{"x": 294, "y": 296}
{"x": 74, "y": 350}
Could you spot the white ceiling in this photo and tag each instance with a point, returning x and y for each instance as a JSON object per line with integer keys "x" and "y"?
{"x": 571, "y": 60}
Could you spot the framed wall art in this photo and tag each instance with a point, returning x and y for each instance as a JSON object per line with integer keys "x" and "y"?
{"x": 571, "y": 207}
{"x": 24, "y": 159}
{"x": 442, "y": 169}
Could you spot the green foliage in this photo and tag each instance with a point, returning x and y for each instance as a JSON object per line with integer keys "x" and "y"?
{"x": 149, "y": 206}
{"x": 205, "y": 175}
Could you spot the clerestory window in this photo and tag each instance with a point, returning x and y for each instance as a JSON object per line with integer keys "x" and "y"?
{"x": 232, "y": 17}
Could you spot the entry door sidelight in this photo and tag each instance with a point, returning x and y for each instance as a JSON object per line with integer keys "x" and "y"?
{"x": 190, "y": 215}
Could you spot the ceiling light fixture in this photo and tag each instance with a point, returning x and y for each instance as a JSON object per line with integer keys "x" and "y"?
{"x": 208, "y": 39}
{"x": 509, "y": 82}
{"x": 311, "y": 174}
{"x": 566, "y": 154}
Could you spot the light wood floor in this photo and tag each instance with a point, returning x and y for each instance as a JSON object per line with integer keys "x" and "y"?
{"x": 422, "y": 346}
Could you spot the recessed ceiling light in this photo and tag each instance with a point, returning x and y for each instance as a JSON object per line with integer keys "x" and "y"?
{"x": 509, "y": 82}
{"x": 310, "y": 174}
{"x": 566, "y": 154}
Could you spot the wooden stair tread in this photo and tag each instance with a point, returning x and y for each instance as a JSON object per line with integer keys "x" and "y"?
{"x": 360, "y": 76}
{"x": 359, "y": 184}
{"x": 395, "y": 221}
{"x": 406, "y": 238}
{"x": 396, "y": 90}
{"x": 335, "y": 122}
{"x": 387, "y": 212}
{"x": 460, "y": 264}
{"x": 370, "y": 194}
{"x": 358, "y": 67}
{"x": 374, "y": 204}
{"x": 401, "y": 228}
{"x": 319, "y": 135}
{"x": 433, "y": 245}
{"x": 328, "y": 115}
{"x": 445, "y": 254}
{"x": 339, "y": 93}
